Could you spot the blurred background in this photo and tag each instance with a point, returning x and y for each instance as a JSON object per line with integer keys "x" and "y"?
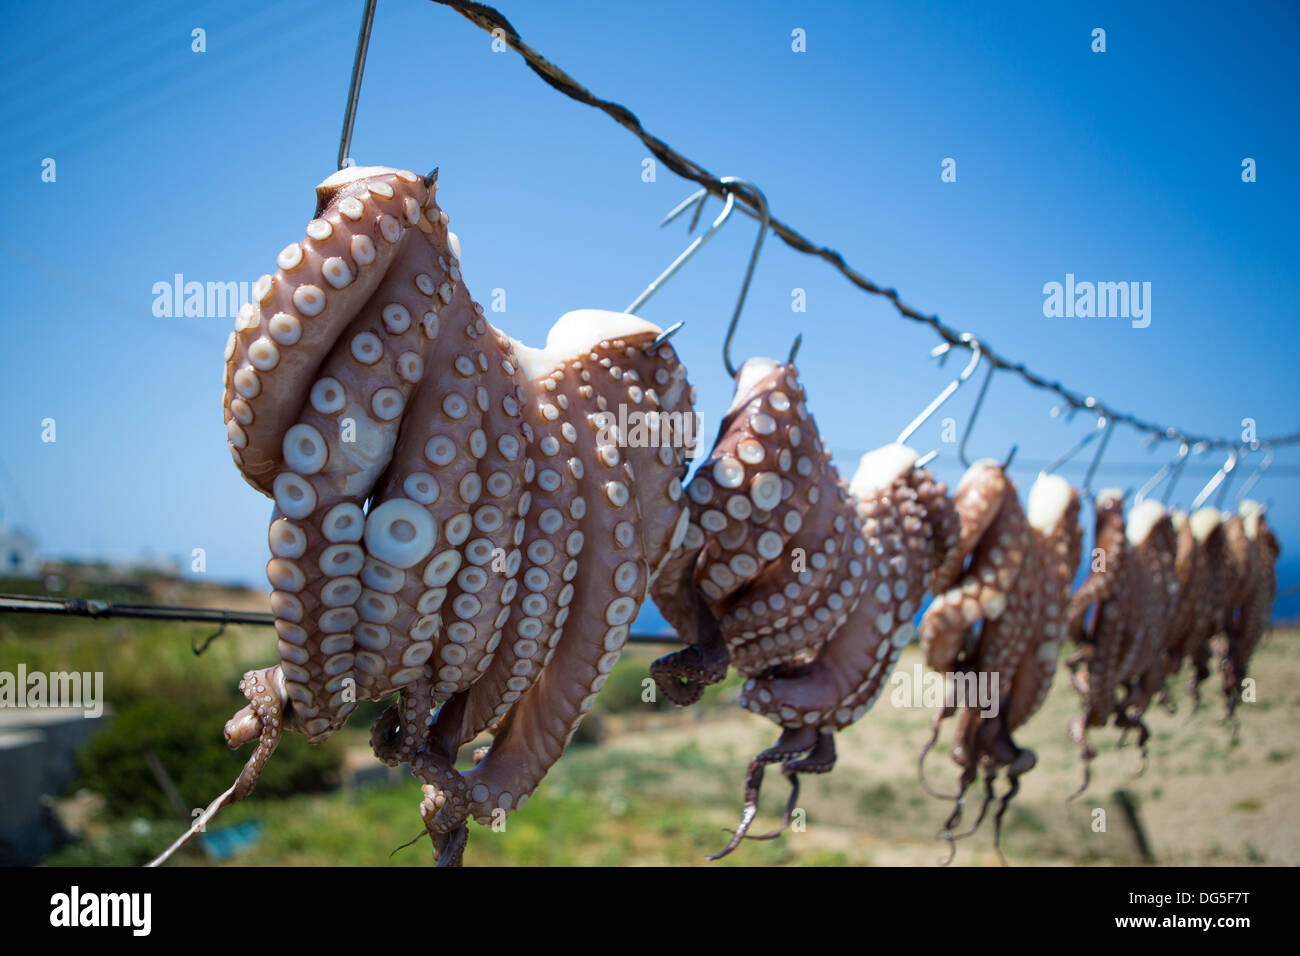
{"x": 137, "y": 158}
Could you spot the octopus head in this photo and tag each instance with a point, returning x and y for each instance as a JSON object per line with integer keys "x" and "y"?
{"x": 749, "y": 380}
{"x": 1142, "y": 520}
{"x": 354, "y": 179}
{"x": 1204, "y": 521}
{"x": 642, "y": 379}
{"x": 881, "y": 468}
{"x": 1110, "y": 504}
{"x": 1251, "y": 511}
{"x": 1049, "y": 500}
{"x": 586, "y": 332}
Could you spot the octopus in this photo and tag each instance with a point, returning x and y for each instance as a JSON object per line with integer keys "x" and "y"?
{"x": 460, "y": 520}
{"x": 1134, "y": 595}
{"x": 1215, "y": 584}
{"x": 1000, "y": 609}
{"x": 805, "y": 584}
{"x": 1255, "y": 596}
{"x": 1188, "y": 573}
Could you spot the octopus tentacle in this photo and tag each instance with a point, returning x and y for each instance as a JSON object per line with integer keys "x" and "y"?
{"x": 1021, "y": 643}
{"x": 1101, "y": 583}
{"x": 821, "y": 759}
{"x": 783, "y": 617}
{"x": 601, "y": 603}
{"x": 318, "y": 565}
{"x": 1103, "y": 641}
{"x": 297, "y": 314}
{"x": 261, "y": 720}
{"x": 453, "y": 598}
{"x": 794, "y": 742}
{"x": 976, "y": 503}
{"x": 682, "y": 675}
{"x": 990, "y": 776}
{"x": 1131, "y": 633}
{"x": 1258, "y": 592}
{"x": 894, "y": 505}
{"x": 985, "y": 501}
{"x": 752, "y": 498}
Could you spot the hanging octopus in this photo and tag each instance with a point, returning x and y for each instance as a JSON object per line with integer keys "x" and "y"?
{"x": 1216, "y": 590}
{"x": 1133, "y": 588}
{"x": 1153, "y": 541}
{"x": 1016, "y": 589}
{"x": 807, "y": 587}
{"x": 459, "y": 519}
{"x": 1188, "y": 573}
{"x": 1256, "y": 600}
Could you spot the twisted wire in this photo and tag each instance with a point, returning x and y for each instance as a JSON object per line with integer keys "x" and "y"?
{"x": 494, "y": 22}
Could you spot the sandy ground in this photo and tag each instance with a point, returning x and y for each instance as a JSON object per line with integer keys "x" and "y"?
{"x": 1203, "y": 798}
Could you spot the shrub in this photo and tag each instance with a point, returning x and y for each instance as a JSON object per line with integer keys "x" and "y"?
{"x": 188, "y": 742}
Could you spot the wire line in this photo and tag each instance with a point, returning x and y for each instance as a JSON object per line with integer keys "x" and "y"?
{"x": 492, "y": 21}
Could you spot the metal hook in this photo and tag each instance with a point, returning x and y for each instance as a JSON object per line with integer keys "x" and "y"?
{"x": 970, "y": 423}
{"x": 728, "y": 204}
{"x": 941, "y": 350}
{"x": 1096, "y": 459}
{"x": 794, "y": 348}
{"x": 1173, "y": 468}
{"x": 1176, "y": 474}
{"x": 764, "y": 221}
{"x": 1256, "y": 474}
{"x": 664, "y": 336}
{"x": 1219, "y": 476}
{"x": 1104, "y": 424}
{"x": 198, "y": 648}
{"x": 354, "y": 89}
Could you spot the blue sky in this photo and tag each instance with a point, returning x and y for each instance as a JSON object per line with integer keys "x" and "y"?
{"x": 1121, "y": 166}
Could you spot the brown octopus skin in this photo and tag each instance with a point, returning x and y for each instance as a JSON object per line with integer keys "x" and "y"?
{"x": 903, "y": 526}
{"x": 1018, "y": 584}
{"x": 361, "y": 222}
{"x": 1153, "y": 543}
{"x": 1100, "y": 637}
{"x": 753, "y": 496}
{"x": 662, "y": 465}
{"x": 321, "y": 480}
{"x": 631, "y": 534}
{"x": 562, "y": 507}
{"x": 422, "y": 411}
{"x": 810, "y": 634}
{"x": 1136, "y": 599}
{"x": 896, "y": 525}
{"x": 432, "y": 634}
{"x": 994, "y": 534}
{"x": 1256, "y": 596}
{"x": 1188, "y": 574}
{"x": 1216, "y": 591}
{"x": 1058, "y": 548}
{"x": 1239, "y": 577}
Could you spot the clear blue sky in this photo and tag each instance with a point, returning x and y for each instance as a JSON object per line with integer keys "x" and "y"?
{"x": 1122, "y": 166}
